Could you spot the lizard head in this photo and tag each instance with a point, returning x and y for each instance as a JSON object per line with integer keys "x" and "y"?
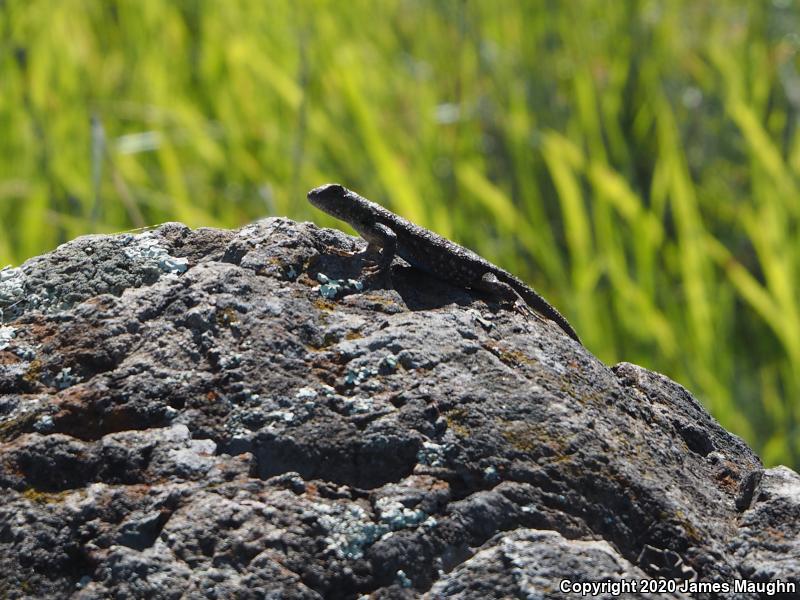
{"x": 344, "y": 204}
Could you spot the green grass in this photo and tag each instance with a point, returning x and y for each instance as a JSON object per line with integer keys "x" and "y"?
{"x": 638, "y": 162}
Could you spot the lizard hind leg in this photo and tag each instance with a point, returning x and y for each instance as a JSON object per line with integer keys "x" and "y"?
{"x": 491, "y": 284}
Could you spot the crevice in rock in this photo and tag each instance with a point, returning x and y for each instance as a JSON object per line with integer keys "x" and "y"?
{"x": 345, "y": 459}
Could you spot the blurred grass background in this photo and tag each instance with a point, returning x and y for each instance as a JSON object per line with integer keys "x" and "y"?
{"x": 637, "y": 161}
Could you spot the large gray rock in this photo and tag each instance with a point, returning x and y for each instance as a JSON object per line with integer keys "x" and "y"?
{"x": 192, "y": 414}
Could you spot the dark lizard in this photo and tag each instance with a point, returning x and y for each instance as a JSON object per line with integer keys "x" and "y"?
{"x": 393, "y": 235}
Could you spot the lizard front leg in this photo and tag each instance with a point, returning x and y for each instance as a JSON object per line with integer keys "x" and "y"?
{"x": 380, "y": 237}
{"x": 380, "y": 240}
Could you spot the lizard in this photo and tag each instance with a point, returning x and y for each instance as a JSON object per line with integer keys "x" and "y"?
{"x": 423, "y": 249}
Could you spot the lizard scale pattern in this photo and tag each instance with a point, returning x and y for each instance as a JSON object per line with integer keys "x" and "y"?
{"x": 393, "y": 235}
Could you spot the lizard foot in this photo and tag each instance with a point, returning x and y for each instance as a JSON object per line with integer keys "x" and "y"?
{"x": 372, "y": 272}
{"x": 376, "y": 276}
{"x": 339, "y": 252}
{"x": 508, "y": 296}
{"x": 526, "y": 311}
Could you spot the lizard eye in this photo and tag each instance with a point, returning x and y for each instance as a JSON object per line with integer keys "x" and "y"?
{"x": 335, "y": 188}
{"x": 330, "y": 192}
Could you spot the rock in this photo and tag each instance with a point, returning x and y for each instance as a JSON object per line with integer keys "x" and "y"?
{"x": 229, "y": 414}
{"x": 533, "y": 564}
{"x": 767, "y": 543}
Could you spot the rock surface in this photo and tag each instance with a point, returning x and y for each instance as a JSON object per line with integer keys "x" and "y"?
{"x": 226, "y": 414}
